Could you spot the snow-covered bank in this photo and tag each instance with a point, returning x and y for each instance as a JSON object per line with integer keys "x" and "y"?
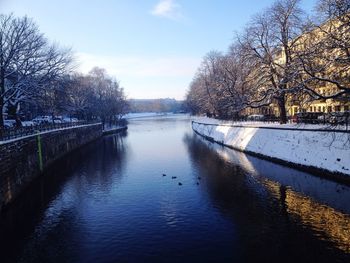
{"x": 326, "y": 150}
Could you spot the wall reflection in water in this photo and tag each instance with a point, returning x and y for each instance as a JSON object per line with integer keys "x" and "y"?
{"x": 273, "y": 198}
{"x": 50, "y": 200}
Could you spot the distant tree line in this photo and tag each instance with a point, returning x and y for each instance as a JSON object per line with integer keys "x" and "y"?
{"x": 156, "y": 105}
{"x": 280, "y": 54}
{"x": 38, "y": 78}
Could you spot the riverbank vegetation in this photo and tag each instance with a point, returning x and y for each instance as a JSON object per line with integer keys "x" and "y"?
{"x": 281, "y": 63}
{"x": 38, "y": 78}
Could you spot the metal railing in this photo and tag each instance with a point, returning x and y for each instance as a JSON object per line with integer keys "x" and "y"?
{"x": 247, "y": 119}
{"x": 330, "y": 119}
{"x": 334, "y": 129}
{"x": 335, "y": 119}
{"x": 16, "y": 132}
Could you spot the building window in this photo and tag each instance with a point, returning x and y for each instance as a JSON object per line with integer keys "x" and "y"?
{"x": 346, "y": 108}
{"x": 329, "y": 109}
{"x": 295, "y": 110}
{"x": 319, "y": 108}
{"x": 337, "y": 108}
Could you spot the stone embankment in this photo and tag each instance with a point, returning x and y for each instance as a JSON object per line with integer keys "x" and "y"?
{"x": 326, "y": 152}
{"x": 114, "y": 130}
{"x": 23, "y": 159}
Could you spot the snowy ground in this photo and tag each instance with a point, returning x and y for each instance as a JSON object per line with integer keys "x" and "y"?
{"x": 322, "y": 149}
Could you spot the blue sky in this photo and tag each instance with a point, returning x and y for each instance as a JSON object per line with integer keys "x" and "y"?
{"x": 153, "y": 47}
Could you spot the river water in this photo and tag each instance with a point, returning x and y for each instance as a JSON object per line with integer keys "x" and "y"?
{"x": 110, "y": 202}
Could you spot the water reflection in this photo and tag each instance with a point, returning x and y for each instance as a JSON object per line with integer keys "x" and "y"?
{"x": 277, "y": 208}
{"x": 49, "y": 202}
{"x": 108, "y": 202}
{"x": 331, "y": 224}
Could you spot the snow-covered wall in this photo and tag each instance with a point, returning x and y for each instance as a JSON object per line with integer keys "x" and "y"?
{"x": 326, "y": 150}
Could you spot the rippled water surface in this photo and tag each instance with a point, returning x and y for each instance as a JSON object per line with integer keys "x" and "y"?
{"x": 109, "y": 202}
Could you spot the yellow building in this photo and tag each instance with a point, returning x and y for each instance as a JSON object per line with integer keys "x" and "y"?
{"x": 331, "y": 66}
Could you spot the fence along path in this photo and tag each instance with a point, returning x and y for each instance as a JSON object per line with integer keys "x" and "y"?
{"x": 13, "y": 133}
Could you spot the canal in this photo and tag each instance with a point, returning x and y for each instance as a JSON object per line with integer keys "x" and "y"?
{"x": 160, "y": 193}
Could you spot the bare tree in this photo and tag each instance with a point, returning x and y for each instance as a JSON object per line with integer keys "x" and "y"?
{"x": 221, "y": 85}
{"x": 238, "y": 80}
{"x": 109, "y": 99}
{"x": 197, "y": 99}
{"x": 80, "y": 97}
{"x": 269, "y": 42}
{"x": 27, "y": 62}
{"x": 325, "y": 56}
{"x": 210, "y": 72}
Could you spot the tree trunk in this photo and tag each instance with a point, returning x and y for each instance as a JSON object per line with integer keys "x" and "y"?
{"x": 1, "y": 115}
{"x": 282, "y": 109}
{"x": 2, "y": 91}
{"x": 17, "y": 117}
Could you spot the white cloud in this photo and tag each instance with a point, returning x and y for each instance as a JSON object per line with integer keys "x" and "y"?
{"x": 168, "y": 8}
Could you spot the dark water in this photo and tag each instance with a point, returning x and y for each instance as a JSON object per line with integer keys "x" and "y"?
{"x": 108, "y": 202}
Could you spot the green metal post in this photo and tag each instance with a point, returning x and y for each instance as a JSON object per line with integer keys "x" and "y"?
{"x": 40, "y": 153}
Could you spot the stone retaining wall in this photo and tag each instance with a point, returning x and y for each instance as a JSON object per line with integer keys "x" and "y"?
{"x": 23, "y": 159}
{"x": 326, "y": 152}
